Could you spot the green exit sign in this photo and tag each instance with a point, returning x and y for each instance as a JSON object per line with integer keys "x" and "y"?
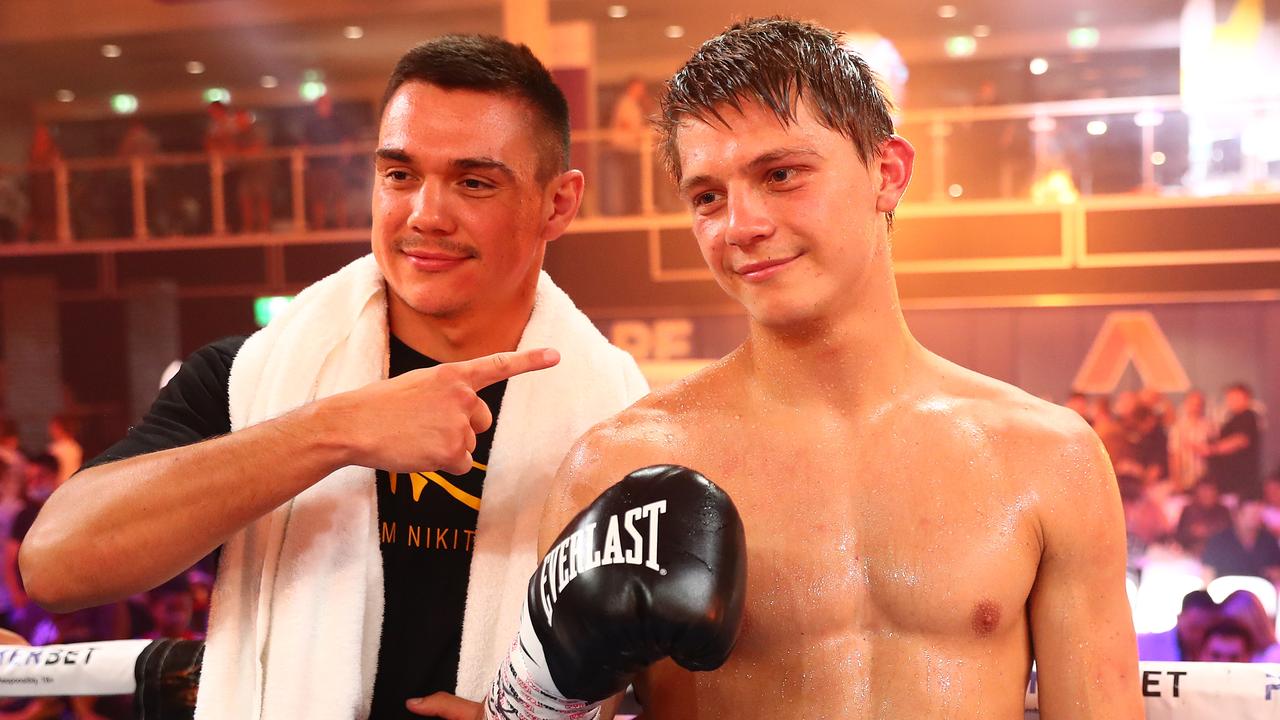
{"x": 266, "y": 308}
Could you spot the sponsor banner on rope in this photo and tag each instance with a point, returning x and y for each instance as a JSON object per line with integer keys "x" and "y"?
{"x": 1199, "y": 691}
{"x": 101, "y": 668}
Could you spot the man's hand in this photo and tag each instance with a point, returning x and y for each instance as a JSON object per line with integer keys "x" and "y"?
{"x": 444, "y": 705}
{"x": 427, "y": 419}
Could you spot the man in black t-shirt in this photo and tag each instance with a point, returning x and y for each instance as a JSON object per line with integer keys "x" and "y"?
{"x": 471, "y": 182}
{"x": 1235, "y": 460}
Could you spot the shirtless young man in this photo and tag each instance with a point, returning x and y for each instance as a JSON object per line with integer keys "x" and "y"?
{"x": 916, "y": 533}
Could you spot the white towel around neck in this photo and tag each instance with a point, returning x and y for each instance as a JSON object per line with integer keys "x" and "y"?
{"x": 297, "y": 608}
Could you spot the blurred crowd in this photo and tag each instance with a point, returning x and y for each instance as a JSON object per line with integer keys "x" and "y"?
{"x": 176, "y": 609}
{"x": 255, "y": 183}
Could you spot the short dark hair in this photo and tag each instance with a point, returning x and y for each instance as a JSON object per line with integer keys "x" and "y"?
{"x": 776, "y": 62}
{"x": 1198, "y": 600}
{"x": 486, "y": 63}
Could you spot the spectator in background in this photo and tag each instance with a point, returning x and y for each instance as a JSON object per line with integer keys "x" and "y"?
{"x": 326, "y": 199}
{"x": 253, "y": 175}
{"x": 26, "y": 618}
{"x": 1245, "y": 608}
{"x": 1271, "y": 503}
{"x": 42, "y": 188}
{"x": 63, "y": 446}
{"x": 220, "y": 131}
{"x": 172, "y": 609}
{"x": 141, "y": 144}
{"x": 1245, "y": 548}
{"x": 1228, "y": 641}
{"x": 1236, "y": 460}
{"x": 13, "y": 210}
{"x": 1079, "y": 402}
{"x": 1149, "y": 442}
{"x": 1199, "y": 613}
{"x": 1205, "y": 517}
{"x": 1144, "y": 520}
{"x": 1108, "y": 428}
{"x": 1189, "y": 440}
{"x": 620, "y": 168}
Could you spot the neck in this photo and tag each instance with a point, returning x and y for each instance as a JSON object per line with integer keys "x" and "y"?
{"x": 466, "y": 334}
{"x": 859, "y": 357}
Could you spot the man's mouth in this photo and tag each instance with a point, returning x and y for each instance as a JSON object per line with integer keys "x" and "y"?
{"x": 763, "y": 269}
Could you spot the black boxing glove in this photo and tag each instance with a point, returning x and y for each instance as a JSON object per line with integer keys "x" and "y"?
{"x": 655, "y": 567}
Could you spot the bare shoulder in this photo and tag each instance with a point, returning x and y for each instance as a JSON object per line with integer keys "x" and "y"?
{"x": 1042, "y": 440}
{"x": 655, "y": 430}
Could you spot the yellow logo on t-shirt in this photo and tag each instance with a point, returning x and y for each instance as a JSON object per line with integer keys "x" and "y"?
{"x": 420, "y": 480}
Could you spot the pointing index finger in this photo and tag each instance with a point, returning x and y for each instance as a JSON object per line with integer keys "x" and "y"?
{"x": 484, "y": 371}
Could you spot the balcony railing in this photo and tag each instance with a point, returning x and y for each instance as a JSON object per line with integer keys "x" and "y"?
{"x": 1014, "y": 155}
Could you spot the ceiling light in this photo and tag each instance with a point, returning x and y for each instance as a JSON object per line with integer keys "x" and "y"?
{"x": 268, "y": 81}
{"x": 955, "y": 190}
{"x": 111, "y": 51}
{"x": 353, "y": 32}
{"x": 1096, "y": 127}
{"x": 674, "y": 32}
{"x": 1148, "y": 118}
{"x": 1157, "y": 158}
{"x": 65, "y": 96}
{"x": 1038, "y": 66}
{"x": 1083, "y": 38}
{"x": 947, "y": 11}
{"x": 195, "y": 67}
{"x": 981, "y": 31}
{"x": 311, "y": 90}
{"x": 961, "y": 46}
{"x": 217, "y": 94}
{"x": 617, "y": 11}
{"x": 124, "y": 104}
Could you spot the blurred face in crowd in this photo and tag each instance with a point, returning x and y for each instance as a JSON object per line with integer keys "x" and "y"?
{"x": 1206, "y": 494}
{"x": 1238, "y": 401}
{"x": 172, "y": 613}
{"x": 1193, "y": 405}
{"x": 1193, "y": 623}
{"x": 461, "y": 217}
{"x": 1271, "y": 492}
{"x": 1225, "y": 648}
{"x": 1249, "y": 517}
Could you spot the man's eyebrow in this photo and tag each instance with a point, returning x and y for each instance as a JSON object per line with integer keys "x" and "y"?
{"x": 393, "y": 154}
{"x": 785, "y": 152}
{"x": 756, "y": 163}
{"x": 484, "y": 163}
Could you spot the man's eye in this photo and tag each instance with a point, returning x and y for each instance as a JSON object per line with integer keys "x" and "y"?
{"x": 475, "y": 184}
{"x": 781, "y": 174}
{"x": 705, "y": 198}
{"x": 397, "y": 175}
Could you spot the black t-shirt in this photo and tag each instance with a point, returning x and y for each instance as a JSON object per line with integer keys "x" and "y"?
{"x": 1241, "y": 471}
{"x": 426, "y": 522}
{"x": 1227, "y": 556}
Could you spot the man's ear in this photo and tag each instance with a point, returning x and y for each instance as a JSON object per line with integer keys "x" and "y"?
{"x": 894, "y": 165}
{"x": 564, "y": 197}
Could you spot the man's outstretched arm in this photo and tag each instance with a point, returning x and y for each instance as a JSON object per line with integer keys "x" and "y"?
{"x": 121, "y": 528}
{"x": 1081, "y": 627}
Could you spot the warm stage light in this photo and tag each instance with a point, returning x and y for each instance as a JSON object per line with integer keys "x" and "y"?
{"x": 675, "y": 32}
{"x": 65, "y": 96}
{"x": 1038, "y": 66}
{"x": 195, "y": 67}
{"x": 981, "y": 31}
{"x": 947, "y": 11}
{"x": 111, "y": 51}
{"x": 1157, "y": 158}
{"x": 617, "y": 11}
{"x": 1096, "y": 127}
{"x": 353, "y": 32}
{"x": 955, "y": 190}
{"x": 268, "y": 81}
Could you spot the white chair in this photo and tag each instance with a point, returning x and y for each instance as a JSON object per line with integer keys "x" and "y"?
{"x": 1220, "y": 588}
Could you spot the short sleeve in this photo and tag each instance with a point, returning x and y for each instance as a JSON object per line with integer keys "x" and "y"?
{"x": 190, "y": 408}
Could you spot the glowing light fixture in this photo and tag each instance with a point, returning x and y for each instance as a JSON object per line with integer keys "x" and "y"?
{"x": 1096, "y": 127}
{"x": 312, "y": 90}
{"x": 353, "y": 32}
{"x": 269, "y": 81}
{"x": 675, "y": 32}
{"x": 65, "y": 96}
{"x": 217, "y": 94}
{"x": 195, "y": 67}
{"x": 111, "y": 51}
{"x": 124, "y": 104}
{"x": 1038, "y": 66}
{"x": 1083, "y": 38}
{"x": 960, "y": 46}
{"x": 617, "y": 12}
{"x": 1158, "y": 158}
{"x": 266, "y": 308}
{"x": 955, "y": 190}
{"x": 981, "y": 31}
{"x": 1148, "y": 118}
{"x": 947, "y": 11}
